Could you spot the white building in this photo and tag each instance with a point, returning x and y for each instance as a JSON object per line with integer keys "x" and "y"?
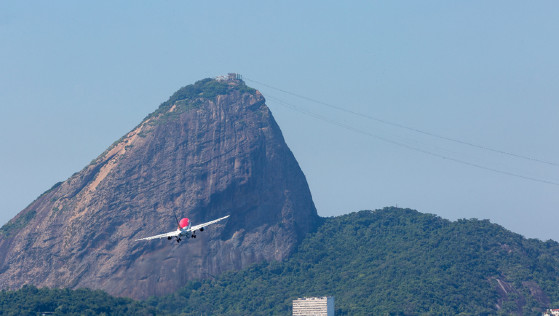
{"x": 314, "y": 306}
{"x": 230, "y": 76}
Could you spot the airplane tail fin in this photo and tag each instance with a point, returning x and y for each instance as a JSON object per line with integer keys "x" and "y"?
{"x": 177, "y": 219}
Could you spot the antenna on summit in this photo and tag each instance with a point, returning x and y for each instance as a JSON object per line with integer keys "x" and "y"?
{"x": 234, "y": 76}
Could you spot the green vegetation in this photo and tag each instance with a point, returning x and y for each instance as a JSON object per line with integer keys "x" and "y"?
{"x": 391, "y": 261}
{"x": 18, "y": 223}
{"x": 386, "y": 262}
{"x": 32, "y": 301}
{"x": 243, "y": 88}
{"x": 191, "y": 95}
{"x": 56, "y": 185}
{"x": 205, "y": 88}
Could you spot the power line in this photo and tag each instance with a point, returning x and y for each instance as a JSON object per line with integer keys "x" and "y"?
{"x": 460, "y": 161}
{"x": 455, "y": 140}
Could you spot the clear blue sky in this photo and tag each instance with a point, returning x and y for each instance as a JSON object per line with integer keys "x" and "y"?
{"x": 75, "y": 76}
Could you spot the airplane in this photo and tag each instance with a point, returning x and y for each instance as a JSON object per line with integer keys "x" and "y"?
{"x": 184, "y": 229}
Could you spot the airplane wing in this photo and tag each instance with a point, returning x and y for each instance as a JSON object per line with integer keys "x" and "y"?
{"x": 169, "y": 234}
{"x": 196, "y": 227}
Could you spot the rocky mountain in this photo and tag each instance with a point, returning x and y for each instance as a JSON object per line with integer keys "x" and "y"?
{"x": 390, "y": 261}
{"x": 212, "y": 149}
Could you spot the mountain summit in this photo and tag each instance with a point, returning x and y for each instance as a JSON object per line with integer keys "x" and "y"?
{"x": 211, "y": 150}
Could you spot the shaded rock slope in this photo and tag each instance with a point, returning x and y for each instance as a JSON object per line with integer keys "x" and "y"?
{"x": 212, "y": 149}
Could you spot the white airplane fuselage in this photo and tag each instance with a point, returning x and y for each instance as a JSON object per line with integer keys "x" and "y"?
{"x": 187, "y": 231}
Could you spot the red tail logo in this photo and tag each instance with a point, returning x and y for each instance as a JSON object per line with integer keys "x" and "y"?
{"x": 184, "y": 223}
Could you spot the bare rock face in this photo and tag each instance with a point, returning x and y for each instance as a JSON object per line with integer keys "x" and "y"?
{"x": 213, "y": 149}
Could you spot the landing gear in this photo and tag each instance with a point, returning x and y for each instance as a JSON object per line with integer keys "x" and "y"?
{"x": 178, "y": 240}
{"x": 193, "y": 236}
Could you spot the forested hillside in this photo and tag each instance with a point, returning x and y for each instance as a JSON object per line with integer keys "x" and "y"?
{"x": 32, "y": 301}
{"x": 395, "y": 261}
{"x": 389, "y": 261}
